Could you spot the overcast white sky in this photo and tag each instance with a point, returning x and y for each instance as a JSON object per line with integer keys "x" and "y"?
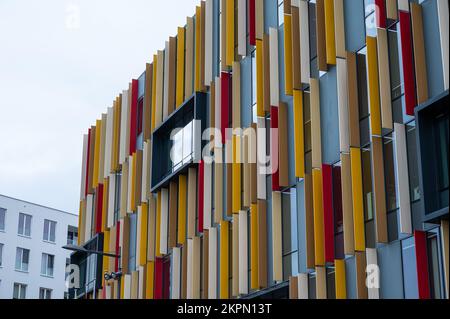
{"x": 62, "y": 62}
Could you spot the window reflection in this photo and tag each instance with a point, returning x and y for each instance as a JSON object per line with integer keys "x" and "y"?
{"x": 182, "y": 146}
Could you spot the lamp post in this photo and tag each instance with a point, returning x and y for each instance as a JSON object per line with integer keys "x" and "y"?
{"x": 89, "y": 252}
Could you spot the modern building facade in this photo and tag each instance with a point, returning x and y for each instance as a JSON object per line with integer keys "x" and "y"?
{"x": 336, "y": 186}
{"x": 32, "y": 260}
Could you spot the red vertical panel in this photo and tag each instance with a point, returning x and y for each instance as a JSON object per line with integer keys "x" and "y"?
{"x": 99, "y": 209}
{"x": 158, "y": 293}
{"x": 201, "y": 195}
{"x": 87, "y": 162}
{"x": 408, "y": 63}
{"x": 116, "y": 265}
{"x": 166, "y": 279}
{"x": 274, "y": 148}
{"x": 380, "y": 11}
{"x": 252, "y": 21}
{"x": 327, "y": 184}
{"x": 423, "y": 279}
{"x": 133, "y": 116}
{"x": 225, "y": 103}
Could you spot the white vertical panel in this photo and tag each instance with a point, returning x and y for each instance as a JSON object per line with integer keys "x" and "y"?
{"x": 111, "y": 200}
{"x": 207, "y": 199}
{"x": 274, "y": 71}
{"x": 401, "y": 164}
{"x": 209, "y": 17}
{"x": 123, "y": 127}
{"x": 164, "y": 221}
{"x": 372, "y": 263}
{"x": 126, "y": 287}
{"x": 88, "y": 222}
{"x": 166, "y": 81}
{"x": 305, "y": 65}
{"x": 243, "y": 253}
{"x": 262, "y": 150}
{"x": 217, "y": 113}
{"x": 83, "y": 168}
{"x": 303, "y": 286}
{"x": 130, "y": 179}
{"x": 141, "y": 286}
{"x": 176, "y": 273}
{"x": 108, "y": 141}
{"x": 403, "y": 5}
{"x": 212, "y": 264}
{"x": 443, "y": 28}
{"x": 344, "y": 134}
{"x": 242, "y": 27}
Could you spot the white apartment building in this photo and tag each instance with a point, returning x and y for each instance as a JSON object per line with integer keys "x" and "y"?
{"x": 32, "y": 260}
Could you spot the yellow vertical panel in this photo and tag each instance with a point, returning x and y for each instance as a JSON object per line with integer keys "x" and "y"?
{"x": 341, "y": 290}
{"x": 419, "y": 53}
{"x": 180, "y": 66}
{"x": 357, "y": 192}
{"x": 236, "y": 175}
{"x": 155, "y": 74}
{"x": 319, "y": 248}
{"x": 158, "y": 225}
{"x": 230, "y": 32}
{"x": 316, "y": 132}
{"x": 106, "y": 236}
{"x": 254, "y": 246}
{"x": 149, "y": 280}
{"x": 259, "y": 79}
{"x": 299, "y": 135}
{"x": 181, "y": 210}
{"x": 329, "y": 32}
{"x": 288, "y": 54}
{"x": 224, "y": 259}
{"x": 198, "y": 29}
{"x": 143, "y": 237}
{"x": 374, "y": 86}
{"x": 95, "y": 180}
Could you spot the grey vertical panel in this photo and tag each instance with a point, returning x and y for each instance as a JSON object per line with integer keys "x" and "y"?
{"x": 350, "y": 275}
{"x": 301, "y": 229}
{"x": 269, "y": 240}
{"x": 391, "y": 275}
{"x": 432, "y": 48}
{"x": 270, "y": 15}
{"x": 355, "y": 37}
{"x": 132, "y": 243}
{"x": 409, "y": 269}
{"x": 329, "y": 117}
{"x": 246, "y": 92}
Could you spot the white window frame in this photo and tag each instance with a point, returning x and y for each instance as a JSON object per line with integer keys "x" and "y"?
{"x": 22, "y": 251}
{"x": 45, "y": 270}
{"x": 27, "y": 219}
{"x": 48, "y": 224}
{"x": 21, "y": 290}
{"x": 45, "y": 293}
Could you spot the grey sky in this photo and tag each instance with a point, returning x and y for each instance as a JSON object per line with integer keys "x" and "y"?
{"x": 61, "y": 65}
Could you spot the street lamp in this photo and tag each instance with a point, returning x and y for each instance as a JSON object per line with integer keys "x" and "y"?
{"x": 114, "y": 275}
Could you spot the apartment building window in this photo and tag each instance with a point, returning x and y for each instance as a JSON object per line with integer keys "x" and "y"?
{"x": 24, "y": 225}
{"x": 117, "y": 196}
{"x": 22, "y": 259}
{"x": 370, "y": 16}
{"x": 47, "y": 265}
{"x": 49, "y": 231}
{"x": 45, "y": 293}
{"x": 19, "y": 291}
{"x": 182, "y": 149}
{"x": 1, "y": 254}
{"x": 72, "y": 235}
{"x": 338, "y": 213}
{"x": 413, "y": 166}
{"x": 290, "y": 243}
{"x": 441, "y": 131}
{"x": 2, "y": 219}
{"x": 280, "y": 12}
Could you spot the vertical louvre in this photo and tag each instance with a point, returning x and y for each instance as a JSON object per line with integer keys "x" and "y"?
{"x": 357, "y": 197}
